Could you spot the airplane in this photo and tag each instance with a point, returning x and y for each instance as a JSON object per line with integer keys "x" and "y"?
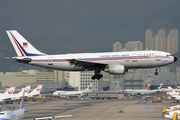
{"x": 12, "y": 97}
{"x": 172, "y": 108}
{"x": 19, "y": 95}
{"x": 6, "y": 96}
{"x": 116, "y": 63}
{"x": 173, "y": 115}
{"x": 19, "y": 113}
{"x": 142, "y": 91}
{"x": 167, "y": 90}
{"x": 73, "y": 93}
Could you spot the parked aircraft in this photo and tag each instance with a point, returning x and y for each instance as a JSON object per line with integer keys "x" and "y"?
{"x": 19, "y": 113}
{"x": 6, "y": 96}
{"x": 12, "y": 97}
{"x": 112, "y": 62}
{"x": 172, "y": 108}
{"x": 173, "y": 115}
{"x": 19, "y": 95}
{"x": 167, "y": 90}
{"x": 73, "y": 93}
{"x": 142, "y": 91}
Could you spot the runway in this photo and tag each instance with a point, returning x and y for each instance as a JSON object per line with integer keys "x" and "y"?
{"x": 96, "y": 109}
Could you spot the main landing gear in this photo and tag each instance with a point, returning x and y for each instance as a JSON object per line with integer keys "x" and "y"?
{"x": 156, "y": 73}
{"x": 97, "y": 75}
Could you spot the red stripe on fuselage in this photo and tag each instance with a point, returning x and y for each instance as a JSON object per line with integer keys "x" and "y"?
{"x": 17, "y": 44}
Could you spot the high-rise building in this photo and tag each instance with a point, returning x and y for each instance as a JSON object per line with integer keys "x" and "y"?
{"x": 134, "y": 45}
{"x": 117, "y": 47}
{"x": 172, "y": 41}
{"x": 149, "y": 40}
{"x": 161, "y": 42}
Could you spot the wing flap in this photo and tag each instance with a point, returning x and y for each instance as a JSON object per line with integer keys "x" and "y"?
{"x": 88, "y": 65}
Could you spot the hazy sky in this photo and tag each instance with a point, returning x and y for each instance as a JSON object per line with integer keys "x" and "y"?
{"x": 71, "y": 26}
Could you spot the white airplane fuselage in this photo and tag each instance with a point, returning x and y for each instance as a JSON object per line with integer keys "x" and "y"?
{"x": 141, "y": 91}
{"x": 130, "y": 60}
{"x": 66, "y": 93}
{"x": 12, "y": 115}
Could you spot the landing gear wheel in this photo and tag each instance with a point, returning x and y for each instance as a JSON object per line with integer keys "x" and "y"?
{"x": 156, "y": 73}
{"x": 97, "y": 77}
{"x": 93, "y": 77}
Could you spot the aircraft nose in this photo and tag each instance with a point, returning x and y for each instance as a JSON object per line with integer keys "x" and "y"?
{"x": 175, "y": 59}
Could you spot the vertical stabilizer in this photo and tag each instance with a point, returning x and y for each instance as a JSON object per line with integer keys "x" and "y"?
{"x": 22, "y": 101}
{"x": 25, "y": 90}
{"x": 36, "y": 91}
{"x": 89, "y": 88}
{"x": 171, "y": 90}
{"x": 10, "y": 91}
{"x": 147, "y": 88}
{"x": 160, "y": 85}
{"x": 21, "y": 45}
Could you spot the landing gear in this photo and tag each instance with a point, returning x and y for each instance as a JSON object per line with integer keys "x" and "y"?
{"x": 156, "y": 73}
{"x": 97, "y": 75}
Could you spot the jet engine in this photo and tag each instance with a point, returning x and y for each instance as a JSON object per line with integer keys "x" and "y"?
{"x": 115, "y": 69}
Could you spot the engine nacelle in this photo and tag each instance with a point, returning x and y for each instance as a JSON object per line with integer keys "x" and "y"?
{"x": 116, "y": 69}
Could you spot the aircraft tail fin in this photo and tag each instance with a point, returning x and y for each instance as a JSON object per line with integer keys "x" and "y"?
{"x": 147, "y": 88}
{"x": 171, "y": 90}
{"x": 10, "y": 91}
{"x": 22, "y": 101}
{"x": 160, "y": 85}
{"x": 36, "y": 91}
{"x": 89, "y": 88}
{"x": 25, "y": 90}
{"x": 21, "y": 45}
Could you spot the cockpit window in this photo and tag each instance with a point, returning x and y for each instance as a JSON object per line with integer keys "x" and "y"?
{"x": 168, "y": 55}
{"x": 1, "y": 113}
{"x": 167, "y": 113}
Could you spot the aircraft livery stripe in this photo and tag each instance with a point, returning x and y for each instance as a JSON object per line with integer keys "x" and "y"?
{"x": 99, "y": 59}
{"x": 16, "y": 44}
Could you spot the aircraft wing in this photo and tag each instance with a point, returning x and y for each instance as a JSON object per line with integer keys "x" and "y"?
{"x": 88, "y": 65}
{"x": 5, "y": 99}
